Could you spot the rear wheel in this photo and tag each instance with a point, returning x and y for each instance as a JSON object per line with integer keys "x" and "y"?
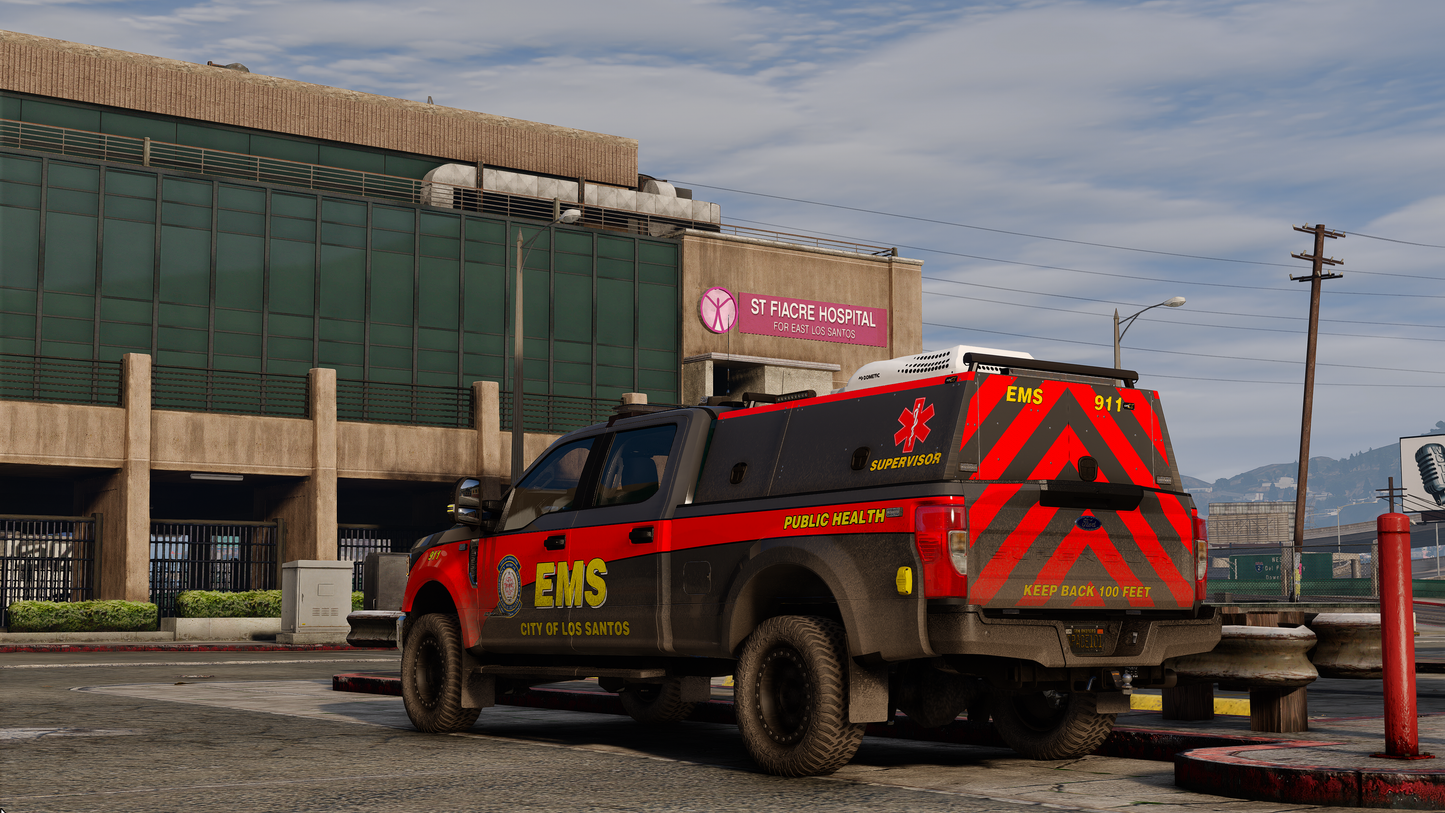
{"x": 1051, "y": 724}
{"x": 431, "y": 676}
{"x": 791, "y": 697}
{"x": 656, "y": 703}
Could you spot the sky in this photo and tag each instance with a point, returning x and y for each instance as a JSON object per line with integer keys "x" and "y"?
{"x": 1050, "y": 161}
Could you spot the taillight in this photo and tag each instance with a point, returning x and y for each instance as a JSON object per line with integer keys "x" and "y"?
{"x": 941, "y": 533}
{"x": 1201, "y": 556}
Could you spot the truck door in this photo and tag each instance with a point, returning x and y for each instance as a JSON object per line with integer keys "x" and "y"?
{"x": 517, "y": 568}
{"x": 617, "y": 548}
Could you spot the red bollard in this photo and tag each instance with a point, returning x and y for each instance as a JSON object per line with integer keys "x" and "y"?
{"x": 1397, "y": 628}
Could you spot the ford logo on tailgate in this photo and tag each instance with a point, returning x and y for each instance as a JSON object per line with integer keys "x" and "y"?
{"x": 1088, "y": 523}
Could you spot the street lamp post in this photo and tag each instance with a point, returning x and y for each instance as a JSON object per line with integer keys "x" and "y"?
{"x": 569, "y": 216}
{"x": 1128, "y": 321}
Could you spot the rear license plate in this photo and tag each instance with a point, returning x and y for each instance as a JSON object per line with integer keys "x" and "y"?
{"x": 1086, "y": 641}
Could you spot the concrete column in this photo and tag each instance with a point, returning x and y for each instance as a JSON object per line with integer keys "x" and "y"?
{"x": 125, "y": 497}
{"x": 308, "y": 509}
{"x": 487, "y": 420}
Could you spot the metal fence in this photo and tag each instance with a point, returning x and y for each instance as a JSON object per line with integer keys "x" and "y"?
{"x": 68, "y": 381}
{"x": 205, "y": 555}
{"x": 199, "y": 390}
{"x": 1328, "y": 571}
{"x": 46, "y": 559}
{"x": 353, "y": 542}
{"x": 379, "y": 402}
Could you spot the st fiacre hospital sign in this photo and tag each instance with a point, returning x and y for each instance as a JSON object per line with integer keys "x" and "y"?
{"x": 792, "y": 318}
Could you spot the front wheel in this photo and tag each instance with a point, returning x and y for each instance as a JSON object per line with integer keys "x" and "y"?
{"x": 431, "y": 676}
{"x": 792, "y": 698}
{"x": 1051, "y": 724}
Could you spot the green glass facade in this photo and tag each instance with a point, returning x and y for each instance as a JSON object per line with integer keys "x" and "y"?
{"x": 98, "y": 260}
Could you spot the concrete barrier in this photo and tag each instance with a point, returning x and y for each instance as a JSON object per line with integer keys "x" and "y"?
{"x": 1349, "y": 645}
{"x": 1253, "y": 657}
{"x": 221, "y": 629}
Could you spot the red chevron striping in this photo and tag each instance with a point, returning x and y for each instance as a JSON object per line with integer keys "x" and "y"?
{"x": 1139, "y": 472}
{"x": 1144, "y": 535}
{"x": 1010, "y": 552}
{"x": 989, "y": 393}
{"x": 1015, "y": 435}
{"x": 1095, "y": 600}
{"x": 1061, "y": 454}
{"x": 1056, "y": 569}
{"x": 983, "y": 510}
{"x": 1156, "y": 429}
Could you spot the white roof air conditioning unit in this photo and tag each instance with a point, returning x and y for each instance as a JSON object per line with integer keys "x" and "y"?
{"x": 924, "y": 365}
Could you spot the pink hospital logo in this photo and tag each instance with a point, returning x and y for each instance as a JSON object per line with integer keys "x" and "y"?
{"x": 718, "y": 309}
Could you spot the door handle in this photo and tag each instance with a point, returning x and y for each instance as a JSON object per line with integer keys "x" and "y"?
{"x": 557, "y": 542}
{"x": 641, "y": 536}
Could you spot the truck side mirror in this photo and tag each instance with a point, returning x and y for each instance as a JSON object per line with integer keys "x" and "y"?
{"x": 466, "y": 501}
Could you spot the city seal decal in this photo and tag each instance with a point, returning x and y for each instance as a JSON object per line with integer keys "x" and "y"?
{"x": 1088, "y": 523}
{"x": 509, "y": 586}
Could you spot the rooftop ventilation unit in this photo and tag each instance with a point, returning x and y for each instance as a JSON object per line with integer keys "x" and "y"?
{"x": 924, "y": 365}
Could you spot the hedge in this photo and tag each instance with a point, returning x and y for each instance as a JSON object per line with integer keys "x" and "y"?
{"x": 82, "y": 616}
{"x": 253, "y": 604}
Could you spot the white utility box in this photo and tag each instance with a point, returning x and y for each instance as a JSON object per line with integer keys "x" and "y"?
{"x": 315, "y": 600}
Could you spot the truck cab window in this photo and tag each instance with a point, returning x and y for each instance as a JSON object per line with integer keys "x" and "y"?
{"x": 552, "y": 486}
{"x": 636, "y": 463}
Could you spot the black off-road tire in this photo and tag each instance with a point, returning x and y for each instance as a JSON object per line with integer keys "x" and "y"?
{"x": 1051, "y": 725}
{"x": 431, "y": 676}
{"x": 792, "y": 697}
{"x": 656, "y": 703}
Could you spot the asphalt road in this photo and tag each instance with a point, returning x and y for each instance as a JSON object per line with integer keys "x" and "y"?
{"x": 231, "y": 731}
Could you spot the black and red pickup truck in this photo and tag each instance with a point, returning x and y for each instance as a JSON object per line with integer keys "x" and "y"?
{"x": 1008, "y": 538}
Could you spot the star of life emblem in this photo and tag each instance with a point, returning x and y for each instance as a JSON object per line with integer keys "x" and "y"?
{"x": 915, "y": 425}
{"x": 509, "y": 586}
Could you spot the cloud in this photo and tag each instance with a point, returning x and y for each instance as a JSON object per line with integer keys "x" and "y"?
{"x": 1203, "y": 128}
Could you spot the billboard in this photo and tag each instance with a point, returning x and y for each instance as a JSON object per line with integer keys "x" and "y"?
{"x": 1422, "y": 473}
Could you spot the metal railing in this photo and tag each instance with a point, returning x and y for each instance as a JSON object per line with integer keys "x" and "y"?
{"x": 46, "y": 559}
{"x": 418, "y": 404}
{"x": 809, "y": 240}
{"x": 207, "y": 555}
{"x": 67, "y": 381}
{"x": 199, "y": 390}
{"x": 353, "y": 542}
{"x": 557, "y": 413}
{"x": 223, "y": 164}
{"x": 220, "y": 163}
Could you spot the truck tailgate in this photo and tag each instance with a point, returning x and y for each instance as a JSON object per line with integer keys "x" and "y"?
{"x": 1049, "y": 536}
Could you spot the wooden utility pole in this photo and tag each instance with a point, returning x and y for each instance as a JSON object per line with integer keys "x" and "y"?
{"x": 1318, "y": 259}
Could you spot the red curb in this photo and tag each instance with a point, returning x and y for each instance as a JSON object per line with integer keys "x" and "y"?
{"x": 177, "y": 648}
{"x": 1131, "y": 743}
{"x": 1223, "y": 772}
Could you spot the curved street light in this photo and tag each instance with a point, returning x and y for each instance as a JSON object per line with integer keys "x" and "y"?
{"x": 518, "y": 435}
{"x": 1128, "y": 321}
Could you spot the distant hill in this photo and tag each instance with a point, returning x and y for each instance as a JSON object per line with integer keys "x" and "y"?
{"x": 1333, "y": 483}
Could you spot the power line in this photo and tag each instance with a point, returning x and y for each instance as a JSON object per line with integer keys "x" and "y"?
{"x": 1192, "y": 309}
{"x": 988, "y": 229}
{"x": 1179, "y": 321}
{"x": 1054, "y": 239}
{"x": 1104, "y": 273}
{"x": 1185, "y": 353}
{"x": 1392, "y": 240}
{"x": 1296, "y": 383}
